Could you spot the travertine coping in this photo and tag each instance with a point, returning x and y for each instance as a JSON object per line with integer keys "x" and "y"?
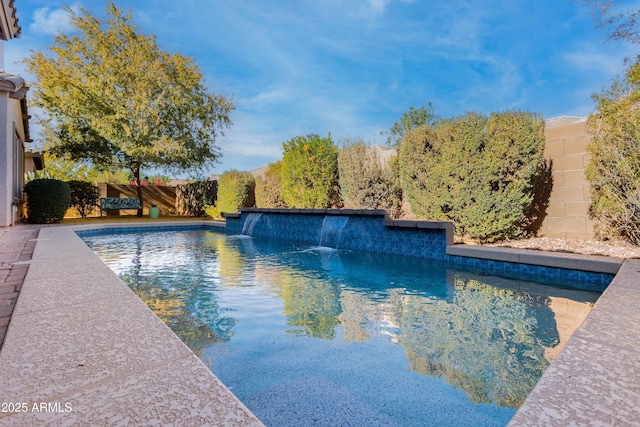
{"x": 83, "y": 349}
{"x": 80, "y": 340}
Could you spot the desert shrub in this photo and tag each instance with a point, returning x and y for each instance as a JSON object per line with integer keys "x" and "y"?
{"x": 47, "y": 200}
{"x": 236, "y": 190}
{"x": 84, "y": 196}
{"x": 212, "y": 211}
{"x": 269, "y": 187}
{"x": 191, "y": 198}
{"x": 310, "y": 172}
{"x": 478, "y": 171}
{"x": 614, "y": 168}
{"x": 365, "y": 182}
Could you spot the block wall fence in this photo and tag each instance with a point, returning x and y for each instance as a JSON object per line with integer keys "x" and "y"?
{"x": 567, "y": 213}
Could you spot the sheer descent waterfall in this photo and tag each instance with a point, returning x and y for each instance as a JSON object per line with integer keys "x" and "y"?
{"x": 250, "y": 223}
{"x": 331, "y": 232}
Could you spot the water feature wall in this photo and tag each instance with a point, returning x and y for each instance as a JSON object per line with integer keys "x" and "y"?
{"x": 368, "y": 230}
{"x": 372, "y": 230}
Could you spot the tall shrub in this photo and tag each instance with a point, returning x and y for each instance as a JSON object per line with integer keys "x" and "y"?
{"x": 365, "y": 181}
{"x": 47, "y": 200}
{"x": 614, "y": 168}
{"x": 477, "y": 171}
{"x": 236, "y": 190}
{"x": 192, "y": 198}
{"x": 269, "y": 187}
{"x": 310, "y": 172}
{"x": 84, "y": 196}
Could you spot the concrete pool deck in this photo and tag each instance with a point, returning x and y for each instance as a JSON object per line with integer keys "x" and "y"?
{"x": 86, "y": 351}
{"x": 83, "y": 349}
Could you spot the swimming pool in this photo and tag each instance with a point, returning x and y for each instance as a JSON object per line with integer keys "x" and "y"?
{"x": 306, "y": 335}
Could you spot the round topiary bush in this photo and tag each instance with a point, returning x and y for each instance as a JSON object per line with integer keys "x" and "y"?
{"x": 47, "y": 200}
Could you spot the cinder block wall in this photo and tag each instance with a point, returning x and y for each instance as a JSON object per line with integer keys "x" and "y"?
{"x": 567, "y": 215}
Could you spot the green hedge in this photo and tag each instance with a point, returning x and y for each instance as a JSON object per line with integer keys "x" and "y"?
{"x": 236, "y": 190}
{"x": 47, "y": 200}
{"x": 478, "y": 171}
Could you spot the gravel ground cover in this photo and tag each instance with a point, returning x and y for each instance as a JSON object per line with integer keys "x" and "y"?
{"x": 618, "y": 249}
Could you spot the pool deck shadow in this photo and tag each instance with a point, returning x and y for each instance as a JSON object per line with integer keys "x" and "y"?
{"x": 82, "y": 349}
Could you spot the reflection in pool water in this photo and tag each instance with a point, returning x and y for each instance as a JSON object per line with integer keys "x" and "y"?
{"x": 314, "y": 336}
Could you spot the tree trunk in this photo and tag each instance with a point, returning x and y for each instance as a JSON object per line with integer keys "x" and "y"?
{"x": 136, "y": 176}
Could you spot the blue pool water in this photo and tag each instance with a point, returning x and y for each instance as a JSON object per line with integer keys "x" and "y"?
{"x": 307, "y": 335}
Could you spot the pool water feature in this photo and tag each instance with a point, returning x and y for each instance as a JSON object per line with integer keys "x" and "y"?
{"x": 331, "y": 231}
{"x": 305, "y": 336}
{"x": 250, "y": 223}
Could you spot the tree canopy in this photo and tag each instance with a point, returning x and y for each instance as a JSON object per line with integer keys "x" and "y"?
{"x": 114, "y": 98}
{"x": 411, "y": 119}
{"x": 622, "y": 25}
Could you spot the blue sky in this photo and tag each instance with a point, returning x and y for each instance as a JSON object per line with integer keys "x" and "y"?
{"x": 352, "y": 67}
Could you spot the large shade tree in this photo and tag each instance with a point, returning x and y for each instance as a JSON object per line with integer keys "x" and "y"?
{"x": 114, "y": 98}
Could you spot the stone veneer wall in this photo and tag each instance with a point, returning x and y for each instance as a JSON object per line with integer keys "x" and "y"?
{"x": 567, "y": 215}
{"x": 371, "y": 230}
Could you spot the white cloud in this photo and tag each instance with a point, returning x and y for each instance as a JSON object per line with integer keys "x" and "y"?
{"x": 267, "y": 98}
{"x": 378, "y": 6}
{"x": 601, "y": 62}
{"x": 51, "y": 22}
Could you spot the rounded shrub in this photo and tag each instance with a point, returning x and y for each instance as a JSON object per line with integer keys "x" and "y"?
{"x": 309, "y": 173}
{"x": 479, "y": 171}
{"x": 84, "y": 196}
{"x": 269, "y": 187}
{"x": 366, "y": 182}
{"x": 236, "y": 190}
{"x": 47, "y": 200}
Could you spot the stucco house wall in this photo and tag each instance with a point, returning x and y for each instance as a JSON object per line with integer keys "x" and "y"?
{"x": 14, "y": 123}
